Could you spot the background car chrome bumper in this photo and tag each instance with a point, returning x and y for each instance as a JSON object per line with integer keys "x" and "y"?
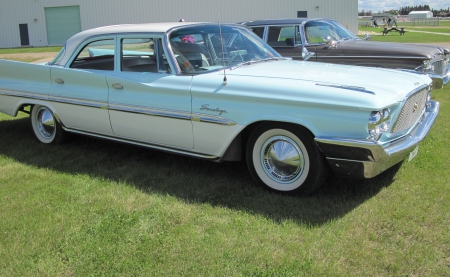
{"x": 367, "y": 159}
{"x": 440, "y": 81}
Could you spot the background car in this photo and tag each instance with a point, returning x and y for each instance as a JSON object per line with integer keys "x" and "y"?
{"x": 333, "y": 43}
{"x": 218, "y": 92}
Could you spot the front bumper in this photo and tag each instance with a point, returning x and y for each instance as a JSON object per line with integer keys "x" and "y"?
{"x": 367, "y": 159}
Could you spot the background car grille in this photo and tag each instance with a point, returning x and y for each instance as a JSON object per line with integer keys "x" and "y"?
{"x": 440, "y": 67}
{"x": 411, "y": 111}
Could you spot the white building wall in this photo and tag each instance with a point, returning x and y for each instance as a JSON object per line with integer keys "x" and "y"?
{"x": 95, "y": 13}
{"x": 420, "y": 14}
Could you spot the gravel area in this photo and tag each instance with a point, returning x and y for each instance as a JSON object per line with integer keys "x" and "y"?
{"x": 37, "y": 57}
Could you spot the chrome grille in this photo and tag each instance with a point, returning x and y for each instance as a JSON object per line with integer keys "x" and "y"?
{"x": 439, "y": 67}
{"x": 411, "y": 111}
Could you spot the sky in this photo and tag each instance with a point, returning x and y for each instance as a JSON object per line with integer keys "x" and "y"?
{"x": 378, "y": 6}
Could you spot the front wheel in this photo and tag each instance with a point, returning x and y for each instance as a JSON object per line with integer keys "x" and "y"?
{"x": 45, "y": 127}
{"x": 285, "y": 158}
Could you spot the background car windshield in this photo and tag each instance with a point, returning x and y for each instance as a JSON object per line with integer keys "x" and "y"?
{"x": 318, "y": 31}
{"x": 199, "y": 49}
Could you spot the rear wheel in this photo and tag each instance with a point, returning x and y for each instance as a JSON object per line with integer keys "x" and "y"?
{"x": 45, "y": 127}
{"x": 284, "y": 158}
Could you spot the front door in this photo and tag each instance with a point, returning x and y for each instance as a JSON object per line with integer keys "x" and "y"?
{"x": 146, "y": 102}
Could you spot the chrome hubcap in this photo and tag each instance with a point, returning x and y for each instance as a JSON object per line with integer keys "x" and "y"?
{"x": 282, "y": 159}
{"x": 45, "y": 122}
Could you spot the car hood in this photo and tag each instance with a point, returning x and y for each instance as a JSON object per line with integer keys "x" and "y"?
{"x": 384, "y": 82}
{"x": 375, "y": 48}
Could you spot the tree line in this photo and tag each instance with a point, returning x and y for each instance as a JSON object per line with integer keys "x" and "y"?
{"x": 406, "y": 10}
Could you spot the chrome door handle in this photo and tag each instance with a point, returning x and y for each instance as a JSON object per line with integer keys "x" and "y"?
{"x": 59, "y": 81}
{"x": 117, "y": 86}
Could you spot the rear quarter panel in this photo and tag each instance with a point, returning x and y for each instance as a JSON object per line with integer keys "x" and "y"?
{"x": 22, "y": 79}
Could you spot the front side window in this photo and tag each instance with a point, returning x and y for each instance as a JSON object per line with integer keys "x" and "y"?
{"x": 319, "y": 31}
{"x": 97, "y": 55}
{"x": 259, "y": 31}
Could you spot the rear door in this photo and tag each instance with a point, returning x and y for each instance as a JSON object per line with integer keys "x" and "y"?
{"x": 80, "y": 92}
{"x": 287, "y": 40}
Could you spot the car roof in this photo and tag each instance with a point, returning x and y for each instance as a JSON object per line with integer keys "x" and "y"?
{"x": 280, "y": 21}
{"x": 128, "y": 28}
{"x": 74, "y": 41}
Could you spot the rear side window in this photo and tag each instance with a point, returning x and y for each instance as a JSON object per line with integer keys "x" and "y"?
{"x": 97, "y": 55}
{"x": 279, "y": 36}
{"x": 259, "y": 31}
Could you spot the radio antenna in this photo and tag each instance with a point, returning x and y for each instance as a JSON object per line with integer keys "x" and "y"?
{"x": 221, "y": 45}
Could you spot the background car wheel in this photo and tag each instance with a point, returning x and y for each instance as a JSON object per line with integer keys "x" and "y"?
{"x": 285, "y": 158}
{"x": 45, "y": 127}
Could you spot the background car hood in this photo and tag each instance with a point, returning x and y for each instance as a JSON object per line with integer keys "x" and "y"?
{"x": 376, "y": 48}
{"x": 385, "y": 82}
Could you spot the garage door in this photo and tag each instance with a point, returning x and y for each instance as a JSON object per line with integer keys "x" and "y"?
{"x": 62, "y": 23}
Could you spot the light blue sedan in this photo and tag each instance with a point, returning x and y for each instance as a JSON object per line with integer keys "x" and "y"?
{"x": 218, "y": 92}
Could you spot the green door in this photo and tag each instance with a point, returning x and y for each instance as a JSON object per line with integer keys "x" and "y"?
{"x": 62, "y": 23}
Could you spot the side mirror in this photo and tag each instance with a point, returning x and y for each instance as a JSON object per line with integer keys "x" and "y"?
{"x": 306, "y": 54}
{"x": 328, "y": 40}
{"x": 367, "y": 37}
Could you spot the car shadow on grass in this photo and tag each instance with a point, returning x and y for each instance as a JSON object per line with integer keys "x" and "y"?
{"x": 191, "y": 180}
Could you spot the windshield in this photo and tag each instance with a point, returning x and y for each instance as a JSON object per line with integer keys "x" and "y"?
{"x": 318, "y": 31}
{"x": 199, "y": 49}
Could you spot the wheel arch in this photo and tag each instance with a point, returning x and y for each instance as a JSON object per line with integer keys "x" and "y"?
{"x": 27, "y": 106}
{"x": 236, "y": 149}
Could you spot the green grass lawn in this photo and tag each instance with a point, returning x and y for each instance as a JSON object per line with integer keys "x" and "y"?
{"x": 30, "y": 50}
{"x": 409, "y": 37}
{"x": 99, "y": 208}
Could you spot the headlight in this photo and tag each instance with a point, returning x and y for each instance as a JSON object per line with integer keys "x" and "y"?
{"x": 428, "y": 66}
{"x": 379, "y": 122}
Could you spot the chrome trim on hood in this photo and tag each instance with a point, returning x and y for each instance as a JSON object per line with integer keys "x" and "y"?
{"x": 360, "y": 89}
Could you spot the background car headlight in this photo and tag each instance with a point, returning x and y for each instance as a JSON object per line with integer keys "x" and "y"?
{"x": 379, "y": 122}
{"x": 428, "y": 66}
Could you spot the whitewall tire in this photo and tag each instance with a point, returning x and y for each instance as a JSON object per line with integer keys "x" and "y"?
{"x": 284, "y": 158}
{"x": 45, "y": 126}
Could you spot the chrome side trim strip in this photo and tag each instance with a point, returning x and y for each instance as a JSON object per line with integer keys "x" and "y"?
{"x": 15, "y": 93}
{"x": 92, "y": 104}
{"x": 373, "y": 57}
{"x": 212, "y": 119}
{"x": 182, "y": 115}
{"x": 150, "y": 111}
{"x": 174, "y": 150}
